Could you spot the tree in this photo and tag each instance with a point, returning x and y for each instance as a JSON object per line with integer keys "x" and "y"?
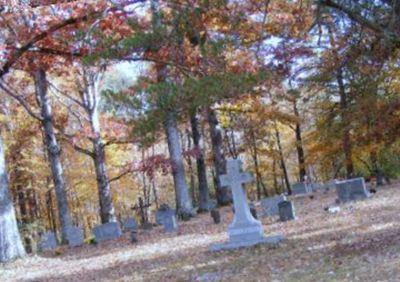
{"x": 183, "y": 200}
{"x": 10, "y": 242}
{"x": 88, "y": 80}
{"x": 201, "y": 166}
{"x": 53, "y": 150}
{"x": 223, "y": 195}
{"x": 381, "y": 17}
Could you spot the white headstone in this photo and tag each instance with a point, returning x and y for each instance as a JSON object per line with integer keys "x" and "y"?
{"x": 245, "y": 230}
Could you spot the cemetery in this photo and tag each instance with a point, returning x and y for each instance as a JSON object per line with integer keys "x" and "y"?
{"x": 197, "y": 140}
{"x": 317, "y": 239}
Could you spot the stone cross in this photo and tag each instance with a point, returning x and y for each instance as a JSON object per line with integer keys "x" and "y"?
{"x": 244, "y": 230}
{"x": 235, "y": 180}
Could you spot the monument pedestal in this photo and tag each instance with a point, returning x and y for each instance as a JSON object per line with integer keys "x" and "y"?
{"x": 230, "y": 245}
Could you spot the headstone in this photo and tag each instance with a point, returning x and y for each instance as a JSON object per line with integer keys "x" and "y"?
{"x": 107, "y": 231}
{"x": 269, "y": 205}
{"x": 244, "y": 230}
{"x": 216, "y": 216}
{"x": 301, "y": 188}
{"x": 130, "y": 224}
{"x": 286, "y": 211}
{"x": 352, "y": 190}
{"x": 162, "y": 212}
{"x": 75, "y": 236}
{"x": 48, "y": 241}
{"x": 170, "y": 223}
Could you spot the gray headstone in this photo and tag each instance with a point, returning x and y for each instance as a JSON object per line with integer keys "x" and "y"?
{"x": 48, "y": 241}
{"x": 286, "y": 211}
{"x": 107, "y": 231}
{"x": 270, "y": 205}
{"x": 170, "y": 223}
{"x": 75, "y": 236}
{"x": 130, "y": 224}
{"x": 352, "y": 190}
{"x": 163, "y": 212}
{"x": 301, "y": 188}
{"x": 245, "y": 230}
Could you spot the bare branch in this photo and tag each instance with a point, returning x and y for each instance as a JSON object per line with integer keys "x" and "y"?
{"x": 118, "y": 177}
{"x": 65, "y": 94}
{"x": 20, "y": 100}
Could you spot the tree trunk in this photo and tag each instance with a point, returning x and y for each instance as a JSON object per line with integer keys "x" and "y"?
{"x": 53, "y": 151}
{"x": 107, "y": 212}
{"x": 275, "y": 176}
{"x": 183, "y": 201}
{"x": 190, "y": 168}
{"x": 201, "y": 165}
{"x": 299, "y": 145}
{"x": 282, "y": 159}
{"x": 153, "y": 183}
{"x": 346, "y": 141}
{"x": 254, "y": 154}
{"x": 224, "y": 197}
{"x": 10, "y": 241}
{"x": 50, "y": 211}
{"x": 376, "y": 168}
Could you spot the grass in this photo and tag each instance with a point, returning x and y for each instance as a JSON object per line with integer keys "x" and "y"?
{"x": 360, "y": 243}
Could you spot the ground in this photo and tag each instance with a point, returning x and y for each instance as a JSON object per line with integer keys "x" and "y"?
{"x": 359, "y": 243}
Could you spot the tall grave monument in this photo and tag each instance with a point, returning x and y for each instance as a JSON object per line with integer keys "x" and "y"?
{"x": 245, "y": 230}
